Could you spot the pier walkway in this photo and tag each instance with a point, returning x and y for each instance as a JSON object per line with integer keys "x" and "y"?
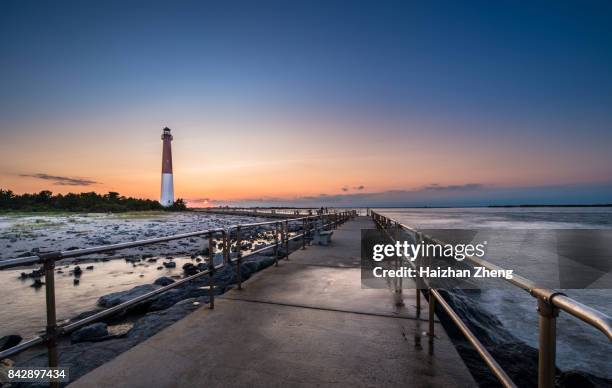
{"x": 306, "y": 322}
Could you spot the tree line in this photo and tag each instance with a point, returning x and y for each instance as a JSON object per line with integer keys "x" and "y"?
{"x": 81, "y": 202}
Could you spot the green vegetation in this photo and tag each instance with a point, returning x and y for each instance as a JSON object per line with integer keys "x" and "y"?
{"x": 93, "y": 202}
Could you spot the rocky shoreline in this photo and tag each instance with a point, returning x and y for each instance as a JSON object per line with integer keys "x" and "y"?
{"x": 93, "y": 345}
{"x": 519, "y": 360}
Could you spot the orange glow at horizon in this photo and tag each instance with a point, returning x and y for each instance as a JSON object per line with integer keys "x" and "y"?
{"x": 229, "y": 160}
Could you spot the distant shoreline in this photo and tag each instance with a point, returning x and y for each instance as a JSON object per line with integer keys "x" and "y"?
{"x": 404, "y": 207}
{"x": 568, "y": 205}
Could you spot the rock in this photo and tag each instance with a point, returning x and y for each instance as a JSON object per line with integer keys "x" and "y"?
{"x": 190, "y": 269}
{"x": 37, "y": 283}
{"x": 574, "y": 378}
{"x": 160, "y": 268}
{"x": 85, "y": 314}
{"x": 163, "y": 281}
{"x": 170, "y": 264}
{"x": 8, "y": 341}
{"x": 34, "y": 274}
{"x": 94, "y": 332}
{"x": 155, "y": 321}
{"x": 116, "y": 298}
{"x": 89, "y": 267}
{"x": 168, "y": 299}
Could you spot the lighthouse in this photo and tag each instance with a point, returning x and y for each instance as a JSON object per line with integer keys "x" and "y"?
{"x": 167, "y": 183}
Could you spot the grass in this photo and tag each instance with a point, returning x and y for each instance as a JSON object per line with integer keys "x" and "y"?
{"x": 141, "y": 214}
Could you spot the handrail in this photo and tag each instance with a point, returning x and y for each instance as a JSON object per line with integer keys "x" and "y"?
{"x": 550, "y": 302}
{"x": 53, "y": 331}
{"x": 499, "y": 372}
{"x": 100, "y": 249}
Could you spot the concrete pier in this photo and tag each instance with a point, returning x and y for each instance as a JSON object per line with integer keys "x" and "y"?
{"x": 306, "y": 322}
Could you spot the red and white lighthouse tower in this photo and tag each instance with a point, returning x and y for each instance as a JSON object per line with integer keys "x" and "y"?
{"x": 167, "y": 183}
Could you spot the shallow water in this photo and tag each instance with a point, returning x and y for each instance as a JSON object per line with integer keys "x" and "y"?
{"x": 22, "y": 307}
{"x": 579, "y": 346}
{"x": 25, "y": 305}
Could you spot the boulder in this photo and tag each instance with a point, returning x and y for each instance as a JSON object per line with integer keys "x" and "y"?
{"x": 116, "y": 298}
{"x": 34, "y": 274}
{"x": 155, "y": 321}
{"x": 94, "y": 332}
{"x": 37, "y": 283}
{"x": 190, "y": 269}
{"x": 170, "y": 264}
{"x": 8, "y": 341}
{"x": 168, "y": 299}
{"x": 575, "y": 378}
{"x": 163, "y": 281}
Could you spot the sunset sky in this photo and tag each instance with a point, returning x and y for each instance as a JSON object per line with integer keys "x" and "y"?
{"x": 308, "y": 103}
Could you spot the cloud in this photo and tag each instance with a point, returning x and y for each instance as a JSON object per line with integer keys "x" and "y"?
{"x": 469, "y": 194}
{"x": 433, "y": 194}
{"x": 467, "y": 186}
{"x": 62, "y": 180}
{"x": 358, "y": 188}
{"x": 200, "y": 200}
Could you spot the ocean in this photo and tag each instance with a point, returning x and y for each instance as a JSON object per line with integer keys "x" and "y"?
{"x": 579, "y": 346}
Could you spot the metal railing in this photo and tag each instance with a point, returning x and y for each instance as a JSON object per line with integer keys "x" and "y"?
{"x": 281, "y": 231}
{"x": 550, "y": 303}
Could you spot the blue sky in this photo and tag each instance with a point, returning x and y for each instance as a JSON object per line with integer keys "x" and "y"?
{"x": 531, "y": 80}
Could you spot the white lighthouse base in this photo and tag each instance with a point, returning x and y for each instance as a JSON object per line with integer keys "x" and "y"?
{"x": 167, "y": 190}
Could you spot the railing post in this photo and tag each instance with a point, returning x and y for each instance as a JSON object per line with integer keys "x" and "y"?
{"x": 304, "y": 233}
{"x": 432, "y": 310}
{"x": 276, "y": 245}
{"x": 226, "y": 247}
{"x": 51, "y": 329}
{"x": 399, "y": 285}
{"x": 548, "y": 343}
{"x": 211, "y": 274}
{"x": 286, "y": 240}
{"x": 238, "y": 258}
{"x": 417, "y": 240}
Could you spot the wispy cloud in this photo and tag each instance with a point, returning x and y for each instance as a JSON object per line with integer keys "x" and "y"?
{"x": 62, "y": 180}
{"x": 469, "y": 194}
{"x": 200, "y": 200}
{"x": 467, "y": 186}
{"x": 355, "y": 196}
{"x": 346, "y": 188}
